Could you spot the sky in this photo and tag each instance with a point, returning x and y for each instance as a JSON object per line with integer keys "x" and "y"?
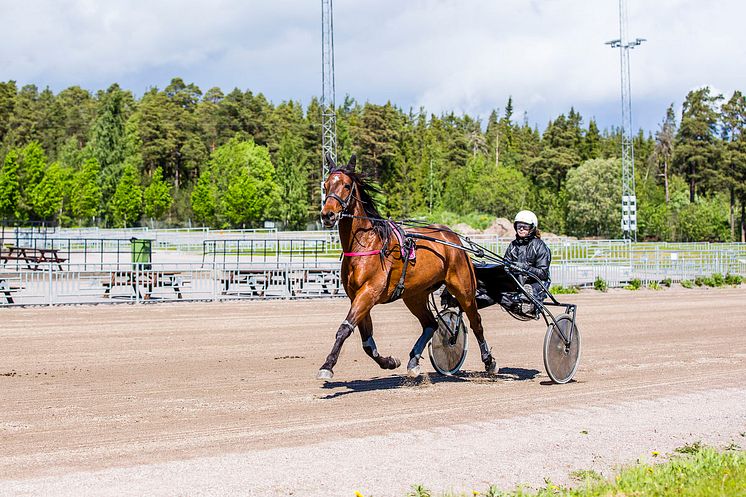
{"x": 461, "y": 56}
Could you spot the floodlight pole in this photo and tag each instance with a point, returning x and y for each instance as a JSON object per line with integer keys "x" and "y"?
{"x": 328, "y": 113}
{"x": 629, "y": 199}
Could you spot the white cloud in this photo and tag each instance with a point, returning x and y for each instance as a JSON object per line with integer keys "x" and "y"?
{"x": 447, "y": 55}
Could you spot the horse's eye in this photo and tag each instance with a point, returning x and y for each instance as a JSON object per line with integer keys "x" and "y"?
{"x": 347, "y": 187}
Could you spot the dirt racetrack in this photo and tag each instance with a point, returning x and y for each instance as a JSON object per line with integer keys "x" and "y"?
{"x": 221, "y": 398}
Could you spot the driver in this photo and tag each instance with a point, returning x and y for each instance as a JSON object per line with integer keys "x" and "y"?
{"x": 529, "y": 253}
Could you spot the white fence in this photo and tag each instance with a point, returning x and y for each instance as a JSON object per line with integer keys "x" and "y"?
{"x": 261, "y": 265}
{"x": 79, "y": 284}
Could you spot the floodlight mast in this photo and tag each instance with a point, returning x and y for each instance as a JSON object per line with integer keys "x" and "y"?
{"x": 629, "y": 199}
{"x": 328, "y": 112}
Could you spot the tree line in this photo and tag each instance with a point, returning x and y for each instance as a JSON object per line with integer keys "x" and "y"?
{"x": 178, "y": 156}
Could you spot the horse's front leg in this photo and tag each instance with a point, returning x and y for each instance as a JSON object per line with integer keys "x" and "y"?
{"x": 360, "y": 307}
{"x": 369, "y": 345}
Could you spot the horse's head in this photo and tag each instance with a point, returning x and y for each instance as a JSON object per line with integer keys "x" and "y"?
{"x": 339, "y": 192}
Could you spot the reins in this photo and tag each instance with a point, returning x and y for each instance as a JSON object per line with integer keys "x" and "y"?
{"x": 467, "y": 244}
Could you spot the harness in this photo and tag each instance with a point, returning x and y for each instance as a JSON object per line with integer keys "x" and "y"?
{"x": 407, "y": 248}
{"x": 407, "y": 245}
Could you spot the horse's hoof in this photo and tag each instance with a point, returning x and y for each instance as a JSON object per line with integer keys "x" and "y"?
{"x": 395, "y": 363}
{"x": 413, "y": 363}
{"x": 491, "y": 368}
{"x": 325, "y": 374}
{"x": 414, "y": 372}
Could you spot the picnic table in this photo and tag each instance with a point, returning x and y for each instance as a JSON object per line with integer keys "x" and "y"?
{"x": 143, "y": 282}
{"x": 32, "y": 258}
{"x": 7, "y": 289}
{"x": 255, "y": 282}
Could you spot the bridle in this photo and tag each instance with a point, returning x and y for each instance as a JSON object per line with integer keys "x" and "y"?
{"x": 345, "y": 203}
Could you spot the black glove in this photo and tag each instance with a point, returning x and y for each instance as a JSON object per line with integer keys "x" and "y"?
{"x": 520, "y": 266}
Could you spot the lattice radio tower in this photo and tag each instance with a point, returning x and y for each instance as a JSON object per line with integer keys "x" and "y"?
{"x": 629, "y": 199}
{"x": 328, "y": 113}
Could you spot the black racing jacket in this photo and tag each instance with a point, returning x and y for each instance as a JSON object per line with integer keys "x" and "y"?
{"x": 532, "y": 252}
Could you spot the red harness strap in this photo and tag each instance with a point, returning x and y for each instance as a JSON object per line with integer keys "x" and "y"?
{"x": 355, "y": 254}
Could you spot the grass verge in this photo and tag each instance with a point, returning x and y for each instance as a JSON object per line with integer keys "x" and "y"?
{"x": 692, "y": 471}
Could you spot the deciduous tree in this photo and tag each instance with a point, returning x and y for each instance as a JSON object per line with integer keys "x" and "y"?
{"x": 593, "y": 191}
{"x": 157, "y": 198}
{"x": 126, "y": 204}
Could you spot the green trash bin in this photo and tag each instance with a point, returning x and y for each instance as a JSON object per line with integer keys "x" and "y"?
{"x": 141, "y": 252}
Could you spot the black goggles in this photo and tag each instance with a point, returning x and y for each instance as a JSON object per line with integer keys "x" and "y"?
{"x": 523, "y": 226}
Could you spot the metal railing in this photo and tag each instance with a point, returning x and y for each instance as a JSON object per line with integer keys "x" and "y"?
{"x": 304, "y": 266}
{"x": 168, "y": 282}
{"x": 263, "y": 250}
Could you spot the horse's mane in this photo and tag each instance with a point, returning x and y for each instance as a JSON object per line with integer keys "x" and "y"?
{"x": 364, "y": 193}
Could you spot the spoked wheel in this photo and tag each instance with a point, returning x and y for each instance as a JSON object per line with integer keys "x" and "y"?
{"x": 560, "y": 358}
{"x": 449, "y": 345}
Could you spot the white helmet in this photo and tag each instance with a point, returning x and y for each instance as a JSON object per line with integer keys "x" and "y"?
{"x": 527, "y": 217}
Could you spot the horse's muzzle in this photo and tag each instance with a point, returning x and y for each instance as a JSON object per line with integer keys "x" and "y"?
{"x": 329, "y": 219}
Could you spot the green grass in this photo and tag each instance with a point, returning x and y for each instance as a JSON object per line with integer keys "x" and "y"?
{"x": 559, "y": 289}
{"x": 687, "y": 283}
{"x": 600, "y": 284}
{"x": 692, "y": 471}
{"x": 733, "y": 279}
{"x": 716, "y": 280}
{"x": 634, "y": 284}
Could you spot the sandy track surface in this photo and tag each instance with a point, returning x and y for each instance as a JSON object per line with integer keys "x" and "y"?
{"x": 221, "y": 399}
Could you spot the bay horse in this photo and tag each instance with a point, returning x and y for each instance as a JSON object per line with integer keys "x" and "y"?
{"x": 373, "y": 264}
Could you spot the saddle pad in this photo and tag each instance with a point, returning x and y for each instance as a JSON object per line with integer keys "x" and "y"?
{"x": 403, "y": 245}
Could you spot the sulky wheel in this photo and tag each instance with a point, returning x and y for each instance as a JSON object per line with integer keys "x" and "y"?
{"x": 561, "y": 359}
{"x": 448, "y": 346}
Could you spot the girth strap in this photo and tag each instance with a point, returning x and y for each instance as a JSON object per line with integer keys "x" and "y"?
{"x": 407, "y": 246}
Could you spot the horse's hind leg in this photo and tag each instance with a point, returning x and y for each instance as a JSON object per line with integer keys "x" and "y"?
{"x": 369, "y": 345}
{"x": 417, "y": 305}
{"x": 469, "y": 305}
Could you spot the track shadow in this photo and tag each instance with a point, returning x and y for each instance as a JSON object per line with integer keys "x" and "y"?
{"x": 402, "y": 381}
{"x": 550, "y": 382}
{"x": 503, "y": 374}
{"x": 517, "y": 374}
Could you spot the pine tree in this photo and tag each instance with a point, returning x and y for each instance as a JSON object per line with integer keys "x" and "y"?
{"x": 7, "y": 104}
{"x": 664, "y": 146}
{"x": 108, "y": 144}
{"x": 591, "y": 145}
{"x": 733, "y": 117}
{"x": 559, "y": 152}
{"x": 696, "y": 152}
{"x": 79, "y": 113}
{"x": 23, "y": 123}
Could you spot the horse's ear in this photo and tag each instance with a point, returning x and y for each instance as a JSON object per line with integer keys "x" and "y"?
{"x": 330, "y": 161}
{"x": 351, "y": 164}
